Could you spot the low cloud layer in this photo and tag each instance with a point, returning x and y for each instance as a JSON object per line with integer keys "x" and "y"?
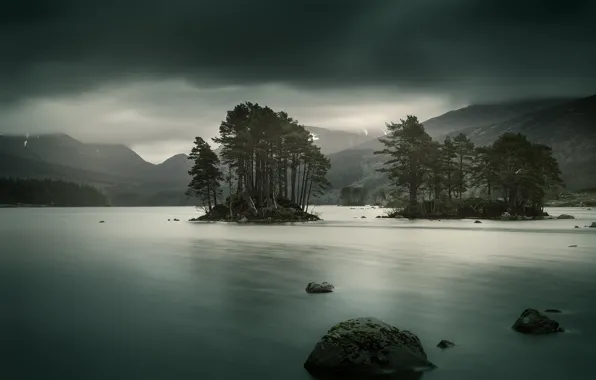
{"x": 163, "y": 71}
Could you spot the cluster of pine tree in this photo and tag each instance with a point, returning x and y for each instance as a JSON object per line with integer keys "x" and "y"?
{"x": 435, "y": 176}
{"x": 353, "y": 196}
{"x": 266, "y": 159}
{"x": 50, "y": 193}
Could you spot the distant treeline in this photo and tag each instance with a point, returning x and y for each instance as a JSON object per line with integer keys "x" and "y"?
{"x": 49, "y": 192}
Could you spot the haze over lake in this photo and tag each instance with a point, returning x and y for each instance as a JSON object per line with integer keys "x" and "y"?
{"x": 139, "y": 297}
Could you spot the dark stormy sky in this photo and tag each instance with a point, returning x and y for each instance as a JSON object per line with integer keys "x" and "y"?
{"x": 153, "y": 74}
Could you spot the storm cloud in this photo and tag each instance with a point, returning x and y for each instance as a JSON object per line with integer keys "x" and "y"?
{"x": 176, "y": 65}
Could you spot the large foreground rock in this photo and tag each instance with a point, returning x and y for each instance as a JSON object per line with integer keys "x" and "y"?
{"x": 531, "y": 321}
{"x": 323, "y": 287}
{"x": 366, "y": 348}
{"x": 593, "y": 225}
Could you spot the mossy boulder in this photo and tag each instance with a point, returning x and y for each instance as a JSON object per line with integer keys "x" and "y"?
{"x": 367, "y": 348}
{"x": 531, "y": 321}
{"x": 323, "y": 287}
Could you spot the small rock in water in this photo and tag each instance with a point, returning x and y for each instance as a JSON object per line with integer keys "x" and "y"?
{"x": 531, "y": 321}
{"x": 176, "y": 220}
{"x": 552, "y": 311}
{"x": 593, "y": 225}
{"x": 477, "y": 221}
{"x": 363, "y": 217}
{"x": 101, "y": 221}
{"x": 589, "y": 209}
{"x": 367, "y": 348}
{"x": 168, "y": 220}
{"x": 576, "y": 226}
{"x": 323, "y": 287}
{"x": 573, "y": 246}
{"x": 445, "y": 344}
{"x": 565, "y": 216}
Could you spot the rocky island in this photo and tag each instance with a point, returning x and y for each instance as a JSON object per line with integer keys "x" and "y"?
{"x": 268, "y": 165}
{"x": 244, "y": 211}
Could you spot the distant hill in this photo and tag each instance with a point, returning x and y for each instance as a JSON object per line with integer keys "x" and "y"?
{"x": 568, "y": 126}
{"x": 64, "y": 150}
{"x": 332, "y": 141}
{"x": 116, "y": 169}
{"x": 483, "y": 114}
{"x": 476, "y": 115}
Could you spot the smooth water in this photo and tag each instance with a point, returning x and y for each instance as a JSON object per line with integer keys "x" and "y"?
{"x": 143, "y": 298}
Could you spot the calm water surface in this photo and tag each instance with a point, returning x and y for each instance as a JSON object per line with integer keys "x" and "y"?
{"x": 143, "y": 298}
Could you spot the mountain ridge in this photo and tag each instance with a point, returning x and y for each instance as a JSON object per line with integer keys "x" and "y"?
{"x": 569, "y": 153}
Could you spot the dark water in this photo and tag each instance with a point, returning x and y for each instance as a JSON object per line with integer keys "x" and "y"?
{"x": 142, "y": 298}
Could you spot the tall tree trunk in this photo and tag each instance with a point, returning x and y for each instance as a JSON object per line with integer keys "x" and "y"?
{"x": 305, "y": 176}
{"x": 214, "y": 196}
{"x": 413, "y": 194}
{"x": 308, "y": 195}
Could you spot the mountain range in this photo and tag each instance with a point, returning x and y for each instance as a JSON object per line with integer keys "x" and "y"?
{"x": 567, "y": 125}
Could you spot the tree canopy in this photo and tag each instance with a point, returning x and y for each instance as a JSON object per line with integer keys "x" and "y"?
{"x": 518, "y": 172}
{"x": 269, "y": 156}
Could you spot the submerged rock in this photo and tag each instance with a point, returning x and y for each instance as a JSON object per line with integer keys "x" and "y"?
{"x": 576, "y": 226}
{"x": 365, "y": 348}
{"x": 573, "y": 246}
{"x": 565, "y": 216}
{"x": 552, "y": 311}
{"x": 531, "y": 321}
{"x": 477, "y": 221}
{"x": 445, "y": 344}
{"x": 101, "y": 221}
{"x": 323, "y": 287}
{"x": 363, "y": 217}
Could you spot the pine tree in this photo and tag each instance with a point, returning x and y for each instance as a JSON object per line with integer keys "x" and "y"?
{"x": 464, "y": 156}
{"x": 408, "y": 145}
{"x": 205, "y": 173}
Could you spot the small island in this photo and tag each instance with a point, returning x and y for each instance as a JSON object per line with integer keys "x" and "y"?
{"x": 434, "y": 180}
{"x": 267, "y": 164}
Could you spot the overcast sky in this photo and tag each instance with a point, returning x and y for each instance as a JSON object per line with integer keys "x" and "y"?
{"x": 154, "y": 74}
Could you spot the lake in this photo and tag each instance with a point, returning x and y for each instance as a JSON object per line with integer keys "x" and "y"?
{"x": 143, "y": 298}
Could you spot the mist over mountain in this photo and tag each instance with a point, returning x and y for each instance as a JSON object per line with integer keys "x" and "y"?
{"x": 118, "y": 170}
{"x": 566, "y": 125}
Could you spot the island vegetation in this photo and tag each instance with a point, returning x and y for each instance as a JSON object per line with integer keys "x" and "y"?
{"x": 267, "y": 161}
{"x": 353, "y": 196}
{"x": 433, "y": 178}
{"x": 47, "y": 192}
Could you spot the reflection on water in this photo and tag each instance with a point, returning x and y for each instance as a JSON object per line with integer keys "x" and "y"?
{"x": 143, "y": 298}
